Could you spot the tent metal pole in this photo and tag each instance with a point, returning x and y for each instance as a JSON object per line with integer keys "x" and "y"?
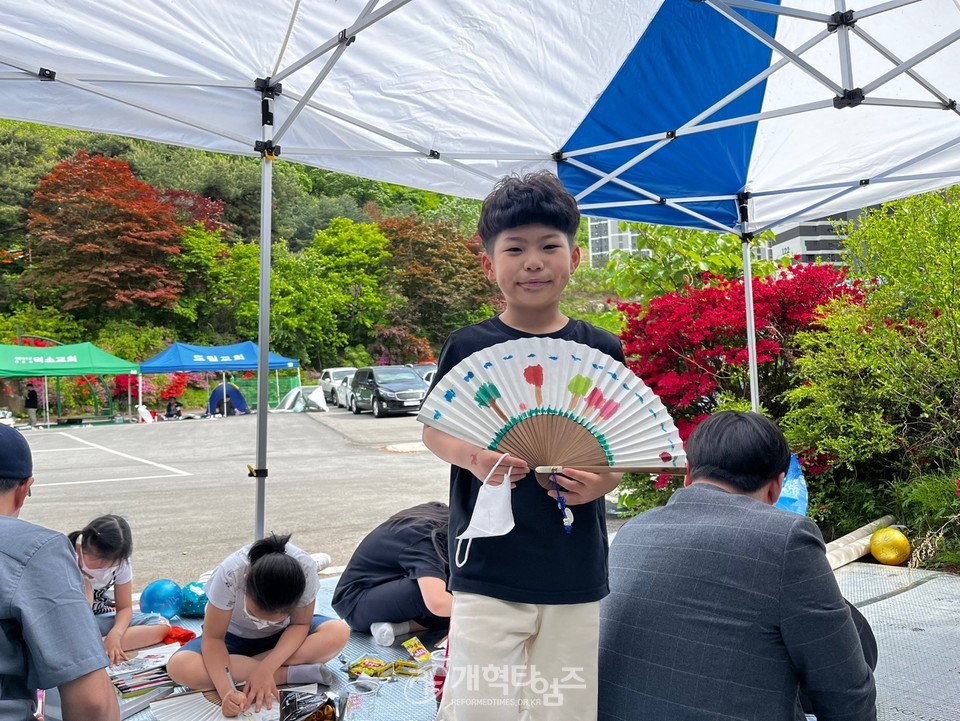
{"x": 223, "y": 384}
{"x": 743, "y": 210}
{"x": 129, "y": 401}
{"x": 751, "y": 323}
{"x": 263, "y": 334}
{"x": 46, "y": 402}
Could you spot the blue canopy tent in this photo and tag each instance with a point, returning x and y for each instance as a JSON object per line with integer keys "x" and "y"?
{"x": 182, "y": 357}
{"x": 186, "y": 358}
{"x": 731, "y": 115}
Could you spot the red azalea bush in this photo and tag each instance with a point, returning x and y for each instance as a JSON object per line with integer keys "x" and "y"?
{"x": 690, "y": 347}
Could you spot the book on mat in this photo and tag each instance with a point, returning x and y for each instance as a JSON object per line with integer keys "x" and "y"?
{"x": 146, "y": 659}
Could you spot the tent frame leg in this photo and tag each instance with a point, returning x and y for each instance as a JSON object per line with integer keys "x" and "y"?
{"x": 263, "y": 333}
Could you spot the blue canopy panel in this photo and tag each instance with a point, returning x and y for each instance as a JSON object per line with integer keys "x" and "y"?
{"x": 182, "y": 357}
{"x": 722, "y": 57}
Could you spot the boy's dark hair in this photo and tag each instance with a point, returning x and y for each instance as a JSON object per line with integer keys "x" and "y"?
{"x": 275, "y": 580}
{"x": 744, "y": 449}
{"x": 525, "y": 200}
{"x": 109, "y": 537}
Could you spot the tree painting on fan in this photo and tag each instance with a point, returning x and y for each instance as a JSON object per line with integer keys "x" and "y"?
{"x": 592, "y": 412}
{"x": 534, "y": 376}
{"x": 487, "y": 396}
{"x": 579, "y": 386}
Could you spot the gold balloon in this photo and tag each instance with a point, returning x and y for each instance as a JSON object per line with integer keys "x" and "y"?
{"x": 889, "y": 546}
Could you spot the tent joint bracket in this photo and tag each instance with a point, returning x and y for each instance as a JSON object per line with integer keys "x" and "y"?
{"x": 433, "y": 155}
{"x": 841, "y": 19}
{"x": 850, "y": 99}
{"x": 557, "y": 156}
{"x": 46, "y": 74}
{"x": 256, "y": 472}
{"x": 346, "y": 40}
{"x": 263, "y": 86}
{"x": 267, "y": 149}
{"x": 951, "y": 104}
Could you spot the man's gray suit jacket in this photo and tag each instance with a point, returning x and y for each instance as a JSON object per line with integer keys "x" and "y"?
{"x": 720, "y": 607}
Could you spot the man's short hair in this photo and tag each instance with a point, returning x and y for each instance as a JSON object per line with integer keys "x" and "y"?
{"x": 743, "y": 449}
{"x": 526, "y": 200}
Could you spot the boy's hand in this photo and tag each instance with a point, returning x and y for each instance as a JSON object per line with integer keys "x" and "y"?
{"x": 581, "y": 487}
{"x": 483, "y": 460}
{"x": 234, "y": 703}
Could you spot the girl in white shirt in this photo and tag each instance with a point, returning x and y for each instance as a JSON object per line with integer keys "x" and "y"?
{"x": 103, "y": 549}
{"x": 260, "y": 628}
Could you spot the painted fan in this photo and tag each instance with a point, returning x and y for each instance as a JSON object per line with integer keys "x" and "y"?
{"x": 296, "y": 704}
{"x": 556, "y": 403}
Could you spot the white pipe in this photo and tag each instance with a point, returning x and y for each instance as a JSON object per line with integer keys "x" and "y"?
{"x": 854, "y": 545}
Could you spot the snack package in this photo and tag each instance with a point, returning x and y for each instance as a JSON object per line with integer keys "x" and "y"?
{"x": 417, "y": 650}
{"x": 369, "y": 666}
{"x": 302, "y": 706}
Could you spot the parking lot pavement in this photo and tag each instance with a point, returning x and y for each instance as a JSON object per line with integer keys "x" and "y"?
{"x": 184, "y": 488}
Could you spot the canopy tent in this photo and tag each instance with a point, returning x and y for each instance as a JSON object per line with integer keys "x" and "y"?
{"x": 78, "y": 359}
{"x": 733, "y": 115}
{"x": 245, "y": 356}
{"x": 182, "y": 357}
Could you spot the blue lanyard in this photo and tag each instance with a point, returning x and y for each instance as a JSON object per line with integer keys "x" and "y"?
{"x": 562, "y": 505}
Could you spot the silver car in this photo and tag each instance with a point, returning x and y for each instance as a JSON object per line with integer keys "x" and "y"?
{"x": 342, "y": 392}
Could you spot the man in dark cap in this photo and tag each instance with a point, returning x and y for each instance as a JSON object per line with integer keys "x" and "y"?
{"x": 48, "y": 636}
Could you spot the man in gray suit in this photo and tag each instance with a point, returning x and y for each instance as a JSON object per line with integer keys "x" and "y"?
{"x": 724, "y": 607}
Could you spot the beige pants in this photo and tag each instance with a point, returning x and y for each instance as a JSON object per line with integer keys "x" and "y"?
{"x": 32, "y": 415}
{"x": 521, "y": 661}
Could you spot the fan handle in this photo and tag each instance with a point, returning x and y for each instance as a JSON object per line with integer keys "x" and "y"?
{"x": 616, "y": 469}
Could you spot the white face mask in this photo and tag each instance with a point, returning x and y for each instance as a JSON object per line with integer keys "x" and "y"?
{"x": 98, "y": 576}
{"x": 260, "y": 624}
{"x": 492, "y": 513}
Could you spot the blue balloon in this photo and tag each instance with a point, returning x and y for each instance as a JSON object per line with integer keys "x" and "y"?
{"x": 194, "y": 600}
{"x": 163, "y": 597}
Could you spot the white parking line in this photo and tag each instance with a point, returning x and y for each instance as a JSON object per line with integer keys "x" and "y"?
{"x": 173, "y": 472}
{"x": 113, "y": 480}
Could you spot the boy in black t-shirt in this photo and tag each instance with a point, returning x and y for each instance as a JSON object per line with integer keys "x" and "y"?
{"x": 524, "y": 628}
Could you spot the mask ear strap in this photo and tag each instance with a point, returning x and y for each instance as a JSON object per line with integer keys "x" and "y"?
{"x": 499, "y": 461}
{"x": 506, "y": 479}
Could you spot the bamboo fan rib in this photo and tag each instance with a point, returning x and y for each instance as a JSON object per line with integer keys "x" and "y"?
{"x": 555, "y": 402}
{"x": 296, "y": 704}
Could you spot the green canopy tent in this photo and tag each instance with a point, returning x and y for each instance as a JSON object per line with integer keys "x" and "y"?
{"x": 78, "y": 359}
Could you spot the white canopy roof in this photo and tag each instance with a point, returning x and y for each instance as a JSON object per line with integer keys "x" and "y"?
{"x": 657, "y": 111}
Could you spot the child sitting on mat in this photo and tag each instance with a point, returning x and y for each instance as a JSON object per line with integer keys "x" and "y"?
{"x": 103, "y": 549}
{"x": 259, "y": 627}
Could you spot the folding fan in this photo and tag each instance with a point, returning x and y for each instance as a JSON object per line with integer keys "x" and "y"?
{"x": 295, "y": 705}
{"x": 556, "y": 403}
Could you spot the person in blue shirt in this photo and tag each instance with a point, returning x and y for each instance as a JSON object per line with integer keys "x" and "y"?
{"x": 48, "y": 636}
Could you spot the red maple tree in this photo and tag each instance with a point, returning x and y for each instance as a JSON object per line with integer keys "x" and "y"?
{"x": 100, "y": 238}
{"x": 689, "y": 346}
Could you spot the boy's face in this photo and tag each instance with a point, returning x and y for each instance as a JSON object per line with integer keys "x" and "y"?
{"x": 532, "y": 265}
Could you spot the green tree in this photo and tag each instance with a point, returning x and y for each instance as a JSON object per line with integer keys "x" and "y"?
{"x": 50, "y": 323}
{"x": 673, "y": 258}
{"x": 353, "y": 258}
{"x": 881, "y": 392}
